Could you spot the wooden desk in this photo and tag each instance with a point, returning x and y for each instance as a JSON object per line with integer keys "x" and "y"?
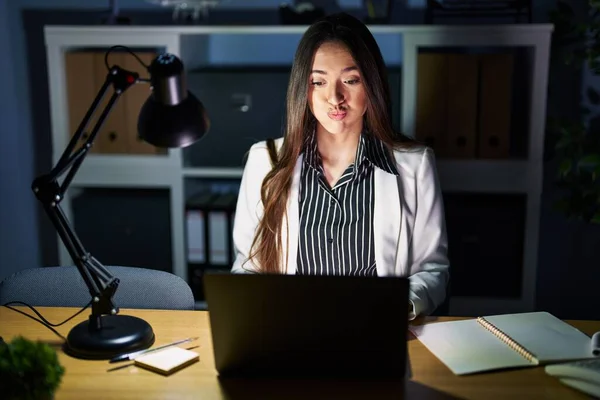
{"x": 90, "y": 380}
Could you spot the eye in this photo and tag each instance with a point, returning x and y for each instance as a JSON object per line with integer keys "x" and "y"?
{"x": 317, "y": 83}
{"x": 353, "y": 81}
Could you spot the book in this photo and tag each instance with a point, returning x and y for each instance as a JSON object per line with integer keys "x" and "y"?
{"x": 168, "y": 360}
{"x": 503, "y": 341}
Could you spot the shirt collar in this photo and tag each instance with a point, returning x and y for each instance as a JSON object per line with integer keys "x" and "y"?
{"x": 311, "y": 155}
{"x": 369, "y": 147}
{"x": 379, "y": 154}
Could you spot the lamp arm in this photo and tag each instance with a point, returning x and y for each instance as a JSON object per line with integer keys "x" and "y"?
{"x": 101, "y": 284}
{"x": 77, "y": 159}
{"x": 66, "y": 155}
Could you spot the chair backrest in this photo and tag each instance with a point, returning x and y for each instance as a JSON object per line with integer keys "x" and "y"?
{"x": 64, "y": 287}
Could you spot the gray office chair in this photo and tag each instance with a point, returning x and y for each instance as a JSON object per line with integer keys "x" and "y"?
{"x": 64, "y": 287}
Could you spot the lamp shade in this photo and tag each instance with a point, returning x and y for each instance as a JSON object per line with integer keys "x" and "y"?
{"x": 180, "y": 125}
{"x": 172, "y": 116}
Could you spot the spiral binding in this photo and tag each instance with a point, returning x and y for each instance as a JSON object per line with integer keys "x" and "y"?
{"x": 508, "y": 340}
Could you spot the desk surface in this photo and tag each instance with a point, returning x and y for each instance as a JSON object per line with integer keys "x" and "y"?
{"x": 89, "y": 380}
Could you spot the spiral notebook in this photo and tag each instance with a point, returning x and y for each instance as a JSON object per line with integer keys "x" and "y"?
{"x": 503, "y": 341}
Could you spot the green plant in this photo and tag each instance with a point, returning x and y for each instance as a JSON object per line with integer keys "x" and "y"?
{"x": 28, "y": 370}
{"x": 577, "y": 143}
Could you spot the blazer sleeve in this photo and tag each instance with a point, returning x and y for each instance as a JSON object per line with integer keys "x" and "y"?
{"x": 249, "y": 208}
{"x": 429, "y": 271}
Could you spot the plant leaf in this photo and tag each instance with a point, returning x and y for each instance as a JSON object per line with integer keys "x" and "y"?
{"x": 565, "y": 9}
{"x": 593, "y": 95}
{"x": 596, "y": 218}
{"x": 565, "y": 167}
{"x": 591, "y": 161}
{"x": 563, "y": 142}
{"x": 562, "y": 205}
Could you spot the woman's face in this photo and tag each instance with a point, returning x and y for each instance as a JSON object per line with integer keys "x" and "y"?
{"x": 336, "y": 95}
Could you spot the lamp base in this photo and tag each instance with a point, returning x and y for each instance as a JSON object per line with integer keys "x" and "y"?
{"x": 118, "y": 334}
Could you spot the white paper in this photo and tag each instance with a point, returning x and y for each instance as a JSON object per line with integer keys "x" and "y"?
{"x": 467, "y": 347}
{"x": 545, "y": 336}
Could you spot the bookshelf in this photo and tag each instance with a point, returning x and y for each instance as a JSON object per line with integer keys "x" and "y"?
{"x": 205, "y": 46}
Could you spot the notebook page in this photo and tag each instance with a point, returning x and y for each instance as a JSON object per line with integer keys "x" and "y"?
{"x": 168, "y": 360}
{"x": 544, "y": 335}
{"x": 467, "y": 347}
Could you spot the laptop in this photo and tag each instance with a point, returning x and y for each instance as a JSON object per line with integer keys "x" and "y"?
{"x": 299, "y": 326}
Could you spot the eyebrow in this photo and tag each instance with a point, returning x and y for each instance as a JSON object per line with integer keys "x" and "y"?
{"x": 321, "y": 72}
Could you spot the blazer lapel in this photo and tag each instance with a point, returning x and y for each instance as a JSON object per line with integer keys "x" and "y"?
{"x": 291, "y": 225}
{"x": 386, "y": 221}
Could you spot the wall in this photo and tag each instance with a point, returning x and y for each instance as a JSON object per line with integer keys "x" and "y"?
{"x": 18, "y": 229}
{"x": 567, "y": 252}
{"x": 23, "y": 222}
{"x": 20, "y": 213}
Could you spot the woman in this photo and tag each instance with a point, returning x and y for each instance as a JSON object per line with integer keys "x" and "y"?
{"x": 346, "y": 194}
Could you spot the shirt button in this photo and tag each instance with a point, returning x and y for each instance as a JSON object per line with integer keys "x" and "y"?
{"x": 330, "y": 240}
{"x": 331, "y": 201}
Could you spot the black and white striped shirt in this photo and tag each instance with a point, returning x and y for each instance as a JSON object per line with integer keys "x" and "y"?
{"x": 336, "y": 223}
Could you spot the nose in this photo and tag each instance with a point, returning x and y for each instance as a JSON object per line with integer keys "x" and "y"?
{"x": 335, "y": 96}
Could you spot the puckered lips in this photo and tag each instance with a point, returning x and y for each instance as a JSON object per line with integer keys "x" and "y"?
{"x": 337, "y": 115}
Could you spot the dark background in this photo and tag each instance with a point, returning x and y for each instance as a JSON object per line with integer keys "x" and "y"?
{"x": 569, "y": 252}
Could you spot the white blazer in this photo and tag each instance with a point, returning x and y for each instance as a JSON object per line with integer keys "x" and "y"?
{"x": 408, "y": 222}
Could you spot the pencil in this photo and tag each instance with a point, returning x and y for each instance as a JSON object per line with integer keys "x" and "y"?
{"x": 132, "y": 356}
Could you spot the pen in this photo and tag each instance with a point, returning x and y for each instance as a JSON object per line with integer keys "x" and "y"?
{"x": 132, "y": 356}
{"x": 596, "y": 344}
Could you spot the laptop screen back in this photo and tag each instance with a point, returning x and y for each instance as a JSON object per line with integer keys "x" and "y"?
{"x": 308, "y": 326}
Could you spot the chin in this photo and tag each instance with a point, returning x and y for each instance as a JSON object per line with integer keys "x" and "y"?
{"x": 337, "y": 128}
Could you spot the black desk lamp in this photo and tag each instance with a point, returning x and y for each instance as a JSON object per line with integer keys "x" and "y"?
{"x": 171, "y": 117}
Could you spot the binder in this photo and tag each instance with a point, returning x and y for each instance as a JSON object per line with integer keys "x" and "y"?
{"x": 432, "y": 97}
{"x": 112, "y": 138}
{"x": 209, "y": 221}
{"x": 495, "y": 105}
{"x": 220, "y": 224}
{"x": 196, "y": 250}
{"x": 81, "y": 90}
{"x": 196, "y": 238}
{"x": 462, "y": 105}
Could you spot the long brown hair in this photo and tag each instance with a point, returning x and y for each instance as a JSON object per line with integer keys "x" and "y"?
{"x": 355, "y": 36}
